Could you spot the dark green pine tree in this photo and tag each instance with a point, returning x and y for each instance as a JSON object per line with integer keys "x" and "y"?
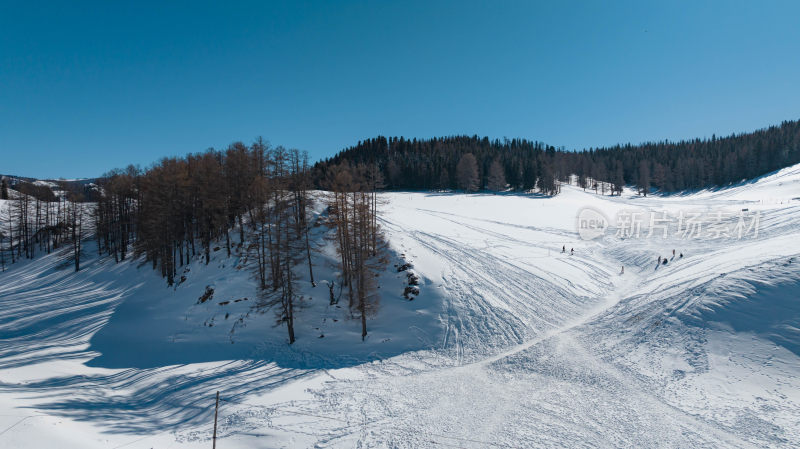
{"x": 670, "y": 166}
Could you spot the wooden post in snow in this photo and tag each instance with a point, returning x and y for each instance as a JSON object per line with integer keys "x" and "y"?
{"x": 216, "y": 408}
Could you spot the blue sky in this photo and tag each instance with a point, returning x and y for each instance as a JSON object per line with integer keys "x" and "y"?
{"x": 89, "y": 86}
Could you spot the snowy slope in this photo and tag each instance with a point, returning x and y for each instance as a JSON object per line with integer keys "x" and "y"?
{"x": 511, "y": 343}
{"x": 114, "y": 346}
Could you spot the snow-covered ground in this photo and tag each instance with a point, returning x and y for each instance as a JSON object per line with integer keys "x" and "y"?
{"x": 511, "y": 342}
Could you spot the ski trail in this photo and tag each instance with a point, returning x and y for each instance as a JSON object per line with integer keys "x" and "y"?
{"x": 529, "y": 346}
{"x": 614, "y": 297}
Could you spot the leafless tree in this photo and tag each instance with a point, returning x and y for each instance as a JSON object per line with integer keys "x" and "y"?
{"x": 497, "y": 179}
{"x": 467, "y": 173}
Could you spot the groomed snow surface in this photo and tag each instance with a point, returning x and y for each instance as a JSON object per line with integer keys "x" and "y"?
{"x": 510, "y": 343}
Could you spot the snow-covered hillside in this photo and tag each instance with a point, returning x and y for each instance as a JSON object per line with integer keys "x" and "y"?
{"x": 514, "y": 340}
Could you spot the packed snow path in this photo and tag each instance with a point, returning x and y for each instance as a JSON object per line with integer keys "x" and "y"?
{"x": 531, "y": 346}
{"x": 534, "y": 334}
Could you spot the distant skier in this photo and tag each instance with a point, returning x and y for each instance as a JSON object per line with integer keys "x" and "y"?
{"x": 673, "y": 253}
{"x": 564, "y": 249}
{"x": 681, "y": 256}
{"x": 659, "y": 261}
{"x": 623, "y": 270}
{"x": 571, "y": 251}
{"x": 664, "y": 261}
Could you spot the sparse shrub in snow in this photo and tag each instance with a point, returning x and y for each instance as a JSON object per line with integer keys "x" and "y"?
{"x": 404, "y": 267}
{"x": 209, "y": 293}
{"x": 409, "y": 291}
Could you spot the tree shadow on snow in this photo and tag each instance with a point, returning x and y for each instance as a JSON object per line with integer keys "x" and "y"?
{"x": 152, "y": 328}
{"x": 166, "y": 365}
{"x": 153, "y": 400}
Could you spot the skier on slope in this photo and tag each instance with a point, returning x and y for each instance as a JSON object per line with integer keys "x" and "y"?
{"x": 564, "y": 249}
{"x": 623, "y": 270}
{"x": 571, "y": 251}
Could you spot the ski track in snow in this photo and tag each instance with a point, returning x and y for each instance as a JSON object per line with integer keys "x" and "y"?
{"x": 538, "y": 348}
